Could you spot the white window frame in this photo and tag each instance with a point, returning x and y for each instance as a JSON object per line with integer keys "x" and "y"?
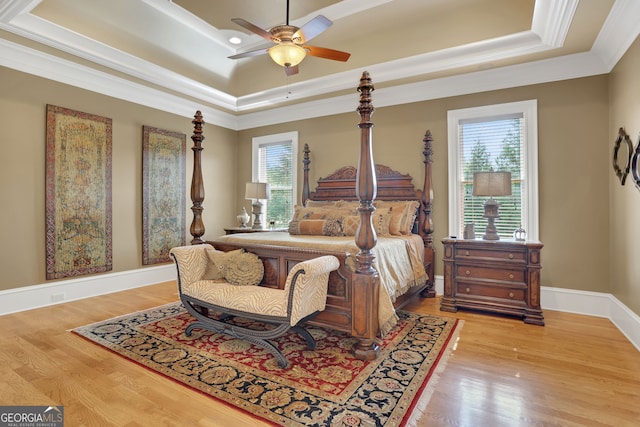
{"x": 529, "y": 109}
{"x": 278, "y": 138}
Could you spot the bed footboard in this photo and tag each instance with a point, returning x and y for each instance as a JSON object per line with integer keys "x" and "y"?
{"x": 278, "y": 261}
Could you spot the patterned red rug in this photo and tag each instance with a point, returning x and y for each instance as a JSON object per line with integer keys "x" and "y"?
{"x": 327, "y": 386}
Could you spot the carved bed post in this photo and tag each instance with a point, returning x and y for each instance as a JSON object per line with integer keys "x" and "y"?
{"x": 306, "y": 192}
{"x": 426, "y": 210}
{"x": 365, "y": 278}
{"x": 197, "y": 186}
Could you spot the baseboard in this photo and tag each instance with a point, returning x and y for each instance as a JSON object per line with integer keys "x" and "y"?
{"x": 593, "y": 304}
{"x": 568, "y": 300}
{"x": 584, "y": 302}
{"x": 42, "y": 295}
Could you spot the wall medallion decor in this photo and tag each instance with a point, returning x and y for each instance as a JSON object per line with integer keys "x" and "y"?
{"x": 163, "y": 192}
{"x": 78, "y": 193}
{"x": 622, "y": 152}
{"x": 635, "y": 165}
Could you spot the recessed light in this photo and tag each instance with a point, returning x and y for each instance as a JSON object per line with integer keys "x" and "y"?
{"x": 235, "y": 40}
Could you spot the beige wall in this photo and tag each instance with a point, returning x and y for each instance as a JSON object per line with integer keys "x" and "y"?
{"x": 575, "y": 136}
{"x": 23, "y": 100}
{"x": 574, "y": 165}
{"x": 624, "y": 201}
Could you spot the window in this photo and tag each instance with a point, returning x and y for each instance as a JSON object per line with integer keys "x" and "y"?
{"x": 274, "y": 160}
{"x": 499, "y": 137}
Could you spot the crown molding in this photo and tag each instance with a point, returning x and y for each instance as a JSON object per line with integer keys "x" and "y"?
{"x": 49, "y": 34}
{"x": 31, "y": 61}
{"x": 619, "y": 31}
{"x": 543, "y": 71}
{"x": 552, "y": 19}
{"x": 9, "y": 9}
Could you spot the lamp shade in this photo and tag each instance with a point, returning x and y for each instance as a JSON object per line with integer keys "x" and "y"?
{"x": 257, "y": 190}
{"x": 492, "y": 184}
{"x": 287, "y": 54}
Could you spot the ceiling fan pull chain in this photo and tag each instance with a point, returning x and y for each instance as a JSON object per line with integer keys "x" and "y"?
{"x": 287, "y": 12}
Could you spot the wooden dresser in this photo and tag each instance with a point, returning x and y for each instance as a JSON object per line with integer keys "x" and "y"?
{"x": 497, "y": 276}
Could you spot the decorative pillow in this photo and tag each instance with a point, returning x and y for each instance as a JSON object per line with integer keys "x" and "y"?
{"x": 330, "y": 227}
{"x": 317, "y": 227}
{"x": 380, "y": 219}
{"x": 395, "y": 224}
{"x": 411, "y": 213}
{"x": 350, "y": 206}
{"x": 350, "y": 225}
{"x": 403, "y": 214}
{"x": 332, "y": 204}
{"x": 321, "y": 203}
{"x": 304, "y": 213}
{"x": 217, "y": 261}
{"x": 245, "y": 269}
{"x": 315, "y": 212}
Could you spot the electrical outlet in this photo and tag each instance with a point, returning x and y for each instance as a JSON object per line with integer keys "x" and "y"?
{"x": 57, "y": 297}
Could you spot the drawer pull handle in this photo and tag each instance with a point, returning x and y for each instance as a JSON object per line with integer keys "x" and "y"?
{"x": 511, "y": 276}
{"x": 468, "y": 290}
{"x": 467, "y": 272}
{"x": 510, "y": 256}
{"x": 510, "y": 294}
{"x": 466, "y": 253}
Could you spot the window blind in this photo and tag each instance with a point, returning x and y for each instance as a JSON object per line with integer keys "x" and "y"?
{"x": 274, "y": 167}
{"x": 493, "y": 143}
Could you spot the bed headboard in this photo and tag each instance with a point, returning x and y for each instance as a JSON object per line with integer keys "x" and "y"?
{"x": 391, "y": 185}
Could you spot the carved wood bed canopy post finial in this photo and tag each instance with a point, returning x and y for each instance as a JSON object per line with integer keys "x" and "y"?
{"x": 366, "y": 282}
{"x": 366, "y": 185}
{"x": 426, "y": 215}
{"x": 197, "y": 185}
{"x": 306, "y": 191}
{"x": 427, "y": 199}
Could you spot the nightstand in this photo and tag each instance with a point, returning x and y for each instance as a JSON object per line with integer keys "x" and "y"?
{"x": 500, "y": 276}
{"x": 235, "y": 230}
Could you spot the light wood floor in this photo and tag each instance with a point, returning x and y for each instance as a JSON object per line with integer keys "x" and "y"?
{"x": 575, "y": 371}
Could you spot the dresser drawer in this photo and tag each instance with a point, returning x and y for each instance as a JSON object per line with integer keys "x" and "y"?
{"x": 501, "y": 276}
{"x": 467, "y": 289}
{"x": 516, "y": 255}
{"x": 478, "y": 272}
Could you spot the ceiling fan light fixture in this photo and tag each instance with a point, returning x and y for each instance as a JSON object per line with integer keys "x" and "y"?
{"x": 287, "y": 54}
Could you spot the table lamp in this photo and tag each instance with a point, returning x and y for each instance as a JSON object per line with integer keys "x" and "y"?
{"x": 491, "y": 184}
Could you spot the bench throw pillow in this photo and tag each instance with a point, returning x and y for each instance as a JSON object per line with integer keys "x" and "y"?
{"x": 245, "y": 269}
{"x": 217, "y": 261}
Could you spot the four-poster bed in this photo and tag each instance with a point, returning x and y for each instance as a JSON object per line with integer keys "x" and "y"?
{"x": 360, "y": 300}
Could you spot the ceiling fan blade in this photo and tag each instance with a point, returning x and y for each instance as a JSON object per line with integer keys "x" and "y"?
{"x": 253, "y": 28}
{"x": 311, "y": 29}
{"x": 323, "y": 52}
{"x": 250, "y": 53}
{"x": 290, "y": 71}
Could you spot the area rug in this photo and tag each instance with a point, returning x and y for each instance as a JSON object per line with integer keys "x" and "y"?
{"x": 323, "y": 387}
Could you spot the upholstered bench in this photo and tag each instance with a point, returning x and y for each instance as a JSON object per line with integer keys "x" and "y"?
{"x": 304, "y": 295}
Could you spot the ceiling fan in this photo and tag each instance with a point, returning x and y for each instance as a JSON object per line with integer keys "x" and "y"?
{"x": 290, "y": 48}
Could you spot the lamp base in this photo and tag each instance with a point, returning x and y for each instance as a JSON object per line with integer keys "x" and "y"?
{"x": 491, "y": 213}
{"x": 491, "y": 233}
{"x": 257, "y": 215}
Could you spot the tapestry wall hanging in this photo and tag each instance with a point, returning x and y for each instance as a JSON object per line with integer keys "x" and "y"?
{"x": 78, "y": 193}
{"x": 163, "y": 192}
